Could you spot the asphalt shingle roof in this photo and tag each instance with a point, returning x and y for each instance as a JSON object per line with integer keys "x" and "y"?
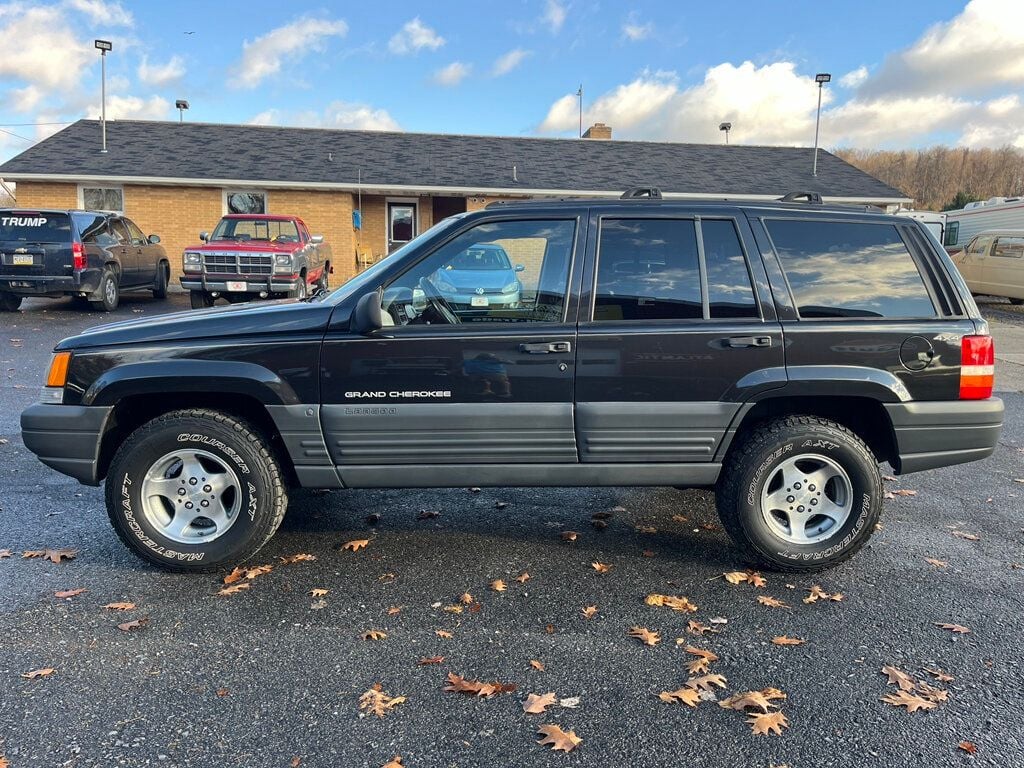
{"x": 302, "y": 155}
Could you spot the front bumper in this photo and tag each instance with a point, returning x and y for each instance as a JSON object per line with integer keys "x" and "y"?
{"x": 253, "y": 284}
{"x": 86, "y": 281}
{"x": 66, "y": 437}
{"x": 938, "y": 434}
{"x": 501, "y": 300}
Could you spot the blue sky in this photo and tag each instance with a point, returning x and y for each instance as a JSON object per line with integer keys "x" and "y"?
{"x": 905, "y": 74}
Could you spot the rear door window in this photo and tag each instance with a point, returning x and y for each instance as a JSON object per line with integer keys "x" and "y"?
{"x": 1009, "y": 247}
{"x": 730, "y": 294}
{"x": 30, "y": 227}
{"x": 842, "y": 269}
{"x": 120, "y": 232}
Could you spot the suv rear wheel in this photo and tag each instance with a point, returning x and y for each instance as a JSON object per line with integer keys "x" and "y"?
{"x": 800, "y": 493}
{"x": 195, "y": 490}
{"x": 108, "y": 293}
{"x": 9, "y": 302}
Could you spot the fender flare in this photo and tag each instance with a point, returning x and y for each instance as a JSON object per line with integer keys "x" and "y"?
{"x": 156, "y": 377}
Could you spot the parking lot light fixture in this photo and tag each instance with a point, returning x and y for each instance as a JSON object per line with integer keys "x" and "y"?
{"x": 821, "y": 78}
{"x": 726, "y": 127}
{"x": 181, "y": 105}
{"x": 103, "y": 46}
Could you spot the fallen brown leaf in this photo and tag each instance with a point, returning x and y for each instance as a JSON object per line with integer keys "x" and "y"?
{"x": 427, "y": 514}
{"x": 967, "y": 747}
{"x": 600, "y": 567}
{"x": 538, "y": 665}
{"x": 355, "y": 545}
{"x": 128, "y": 626}
{"x": 557, "y": 739}
{"x": 465, "y": 598}
{"x": 680, "y": 604}
{"x": 764, "y": 723}
{"x": 967, "y": 536}
{"x": 37, "y": 673}
{"x": 747, "y": 700}
{"x": 234, "y": 589}
{"x": 53, "y": 555}
{"x": 377, "y": 701}
{"x": 537, "y": 704}
{"x": 696, "y": 628}
{"x": 373, "y": 634}
{"x": 394, "y": 610}
{"x": 70, "y": 592}
{"x": 958, "y": 628}
{"x": 498, "y": 585}
{"x": 590, "y": 612}
{"x": 427, "y": 660}
{"x": 120, "y": 606}
{"x": 908, "y": 700}
{"x": 938, "y": 674}
{"x": 237, "y": 574}
{"x": 443, "y": 634}
{"x": 5, "y": 553}
{"x": 458, "y": 684}
{"x": 302, "y": 557}
{"x": 318, "y": 592}
{"x": 735, "y": 577}
{"x": 771, "y": 602}
{"x": 569, "y": 535}
{"x": 899, "y": 678}
{"x": 523, "y": 577}
{"x": 784, "y": 640}
{"x": 706, "y": 682}
{"x": 394, "y": 762}
{"x": 645, "y": 636}
{"x": 936, "y": 563}
{"x": 816, "y": 593}
{"x": 687, "y": 696}
{"x": 222, "y": 692}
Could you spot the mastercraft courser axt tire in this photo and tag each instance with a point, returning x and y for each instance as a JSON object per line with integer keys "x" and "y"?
{"x": 226, "y": 452}
{"x": 758, "y": 462}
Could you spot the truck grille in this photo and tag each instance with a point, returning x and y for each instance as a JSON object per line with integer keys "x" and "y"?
{"x": 225, "y": 263}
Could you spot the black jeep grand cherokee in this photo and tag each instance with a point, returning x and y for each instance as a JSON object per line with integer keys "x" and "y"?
{"x": 776, "y": 352}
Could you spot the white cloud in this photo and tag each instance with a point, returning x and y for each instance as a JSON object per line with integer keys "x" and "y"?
{"x": 266, "y": 117}
{"x": 264, "y": 56}
{"x": 133, "y": 108}
{"x": 509, "y": 61}
{"x": 413, "y": 37}
{"x": 634, "y": 31}
{"x": 103, "y": 12}
{"x": 979, "y": 49}
{"x": 891, "y": 121}
{"x": 554, "y": 16}
{"x": 26, "y": 99}
{"x": 999, "y": 122}
{"x": 337, "y": 114}
{"x": 453, "y": 74}
{"x": 41, "y": 49}
{"x": 854, "y": 78}
{"x": 161, "y": 75}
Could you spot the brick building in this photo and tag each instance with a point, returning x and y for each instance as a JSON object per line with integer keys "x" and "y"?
{"x": 176, "y": 179}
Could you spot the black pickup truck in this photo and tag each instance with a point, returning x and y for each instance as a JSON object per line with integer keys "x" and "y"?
{"x": 777, "y": 352}
{"x": 91, "y": 255}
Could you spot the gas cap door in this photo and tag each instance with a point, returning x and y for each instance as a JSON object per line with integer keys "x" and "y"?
{"x": 916, "y": 353}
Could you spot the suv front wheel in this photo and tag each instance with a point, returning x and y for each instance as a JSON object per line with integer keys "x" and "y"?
{"x": 195, "y": 490}
{"x": 800, "y": 493}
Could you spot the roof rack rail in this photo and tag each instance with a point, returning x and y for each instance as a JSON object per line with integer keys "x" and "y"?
{"x": 796, "y": 197}
{"x": 635, "y": 192}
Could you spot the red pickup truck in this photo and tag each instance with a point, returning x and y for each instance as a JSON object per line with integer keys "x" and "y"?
{"x": 251, "y": 256}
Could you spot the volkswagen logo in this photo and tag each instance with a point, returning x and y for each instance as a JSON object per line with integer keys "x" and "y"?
{"x": 479, "y": 291}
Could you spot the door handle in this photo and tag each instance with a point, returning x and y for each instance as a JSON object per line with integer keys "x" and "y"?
{"x": 546, "y": 348}
{"x": 737, "y": 342}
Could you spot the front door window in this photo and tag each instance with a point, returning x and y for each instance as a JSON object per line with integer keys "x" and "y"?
{"x": 401, "y": 224}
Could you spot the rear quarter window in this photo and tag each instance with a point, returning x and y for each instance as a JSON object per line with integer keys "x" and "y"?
{"x": 28, "y": 227}
{"x": 849, "y": 269}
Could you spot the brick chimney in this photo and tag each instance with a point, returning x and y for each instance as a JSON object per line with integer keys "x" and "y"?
{"x": 598, "y": 131}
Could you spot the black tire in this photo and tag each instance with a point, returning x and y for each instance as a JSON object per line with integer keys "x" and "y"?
{"x": 262, "y": 497}
{"x": 321, "y": 282}
{"x": 200, "y": 299}
{"x": 302, "y": 291}
{"x": 9, "y": 302}
{"x": 109, "y": 293}
{"x": 754, "y": 462}
{"x": 1017, "y": 302}
{"x": 163, "y": 276}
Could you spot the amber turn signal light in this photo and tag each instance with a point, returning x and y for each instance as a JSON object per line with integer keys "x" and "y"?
{"x": 58, "y": 375}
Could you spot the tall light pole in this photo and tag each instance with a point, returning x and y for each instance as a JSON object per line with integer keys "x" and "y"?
{"x": 725, "y": 127}
{"x": 103, "y": 46}
{"x": 821, "y": 78}
{"x": 181, "y": 105}
{"x": 579, "y": 94}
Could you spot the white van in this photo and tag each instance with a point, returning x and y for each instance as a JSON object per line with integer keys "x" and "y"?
{"x": 992, "y": 263}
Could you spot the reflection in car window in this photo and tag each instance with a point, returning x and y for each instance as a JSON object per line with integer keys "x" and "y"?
{"x": 729, "y": 291}
{"x": 496, "y": 272}
{"x": 1009, "y": 247}
{"x": 978, "y": 245}
{"x": 849, "y": 269}
{"x": 648, "y": 269}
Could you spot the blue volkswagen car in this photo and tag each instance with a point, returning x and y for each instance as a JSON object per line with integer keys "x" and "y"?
{"x": 480, "y": 277}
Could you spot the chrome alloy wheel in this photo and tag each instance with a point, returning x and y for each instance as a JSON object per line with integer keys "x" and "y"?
{"x": 110, "y": 291}
{"x": 191, "y": 496}
{"x": 806, "y": 499}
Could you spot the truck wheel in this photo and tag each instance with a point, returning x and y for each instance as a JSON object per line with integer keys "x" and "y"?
{"x": 302, "y": 289}
{"x": 321, "y": 282}
{"x": 163, "y": 276}
{"x": 108, "y": 293}
{"x": 195, "y": 490}
{"x": 200, "y": 300}
{"x": 9, "y": 302}
{"x": 800, "y": 494}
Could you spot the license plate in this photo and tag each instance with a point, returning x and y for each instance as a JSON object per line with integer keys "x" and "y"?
{"x": 479, "y": 301}
{"x": 234, "y": 285}
{"x": 21, "y": 260}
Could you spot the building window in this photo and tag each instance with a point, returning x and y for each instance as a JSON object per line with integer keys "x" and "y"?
{"x": 245, "y": 202}
{"x": 103, "y": 199}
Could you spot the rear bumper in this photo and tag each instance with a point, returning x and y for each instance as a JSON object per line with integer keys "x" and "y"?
{"x": 938, "y": 434}
{"x": 254, "y": 284}
{"x": 66, "y": 437}
{"x": 86, "y": 281}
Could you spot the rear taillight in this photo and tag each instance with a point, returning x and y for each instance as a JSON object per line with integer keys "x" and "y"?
{"x": 78, "y": 252}
{"x": 977, "y": 367}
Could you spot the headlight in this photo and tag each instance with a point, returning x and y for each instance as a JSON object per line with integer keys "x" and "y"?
{"x": 283, "y": 262}
{"x": 511, "y": 287}
{"x": 56, "y": 378}
{"x": 193, "y": 261}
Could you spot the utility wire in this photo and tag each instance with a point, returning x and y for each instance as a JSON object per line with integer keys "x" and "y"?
{"x": 15, "y": 135}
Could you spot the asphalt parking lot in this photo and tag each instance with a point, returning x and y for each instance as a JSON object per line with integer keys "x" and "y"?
{"x": 272, "y": 676}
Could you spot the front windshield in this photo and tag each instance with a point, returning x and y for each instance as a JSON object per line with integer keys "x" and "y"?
{"x": 369, "y": 279}
{"x": 493, "y": 257}
{"x": 262, "y": 230}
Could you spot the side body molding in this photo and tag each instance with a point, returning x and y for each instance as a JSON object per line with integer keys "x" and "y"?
{"x": 849, "y": 380}
{"x": 162, "y": 376}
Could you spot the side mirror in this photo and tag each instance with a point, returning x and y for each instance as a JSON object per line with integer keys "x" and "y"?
{"x": 520, "y": 267}
{"x": 316, "y": 239}
{"x": 153, "y": 239}
{"x": 368, "y": 316}
{"x": 204, "y": 236}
